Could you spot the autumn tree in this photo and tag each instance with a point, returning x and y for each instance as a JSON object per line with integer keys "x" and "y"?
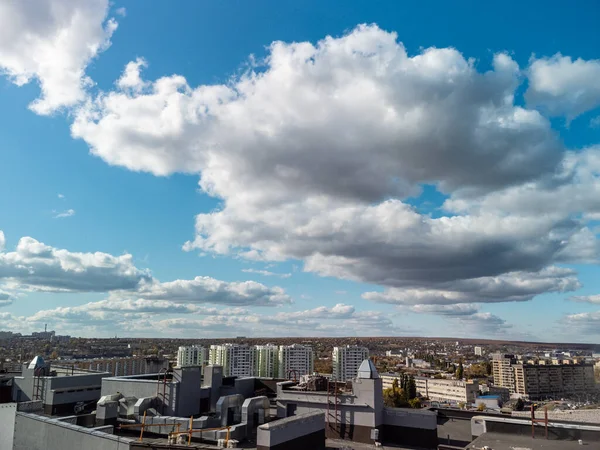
{"x": 414, "y": 403}
{"x": 395, "y": 396}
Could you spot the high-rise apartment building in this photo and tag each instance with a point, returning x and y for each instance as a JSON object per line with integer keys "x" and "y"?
{"x": 266, "y": 361}
{"x": 537, "y": 379}
{"x": 478, "y": 351}
{"x": 194, "y": 355}
{"x": 502, "y": 371}
{"x": 295, "y": 360}
{"x": 237, "y": 360}
{"x": 346, "y": 361}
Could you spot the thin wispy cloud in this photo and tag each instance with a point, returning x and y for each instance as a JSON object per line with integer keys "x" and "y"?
{"x": 61, "y": 196}
{"x": 267, "y": 273}
{"x": 67, "y": 213}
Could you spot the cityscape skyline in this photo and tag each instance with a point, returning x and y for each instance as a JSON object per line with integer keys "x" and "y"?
{"x": 291, "y": 171}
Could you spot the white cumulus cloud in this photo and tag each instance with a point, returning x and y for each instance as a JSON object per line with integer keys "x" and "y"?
{"x": 562, "y": 86}
{"x": 52, "y": 42}
{"x": 37, "y": 266}
{"x": 314, "y": 153}
{"x": 210, "y": 290}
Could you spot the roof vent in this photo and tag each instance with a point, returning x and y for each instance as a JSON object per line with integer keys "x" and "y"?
{"x": 37, "y": 363}
{"x": 367, "y": 370}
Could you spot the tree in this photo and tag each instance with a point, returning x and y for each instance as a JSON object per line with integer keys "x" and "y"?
{"x": 481, "y": 407}
{"x": 395, "y": 396}
{"x": 488, "y": 368}
{"x": 414, "y": 403}
{"x": 520, "y": 405}
{"x": 461, "y": 405}
{"x": 412, "y": 388}
{"x": 460, "y": 372}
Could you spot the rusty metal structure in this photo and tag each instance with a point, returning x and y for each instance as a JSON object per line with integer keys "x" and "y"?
{"x": 173, "y": 434}
{"x": 335, "y": 403}
{"x": 143, "y": 426}
{"x": 163, "y": 396}
{"x": 534, "y": 421}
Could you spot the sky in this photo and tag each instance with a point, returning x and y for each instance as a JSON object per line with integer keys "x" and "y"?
{"x": 229, "y": 168}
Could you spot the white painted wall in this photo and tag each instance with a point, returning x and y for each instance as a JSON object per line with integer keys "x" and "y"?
{"x": 7, "y": 425}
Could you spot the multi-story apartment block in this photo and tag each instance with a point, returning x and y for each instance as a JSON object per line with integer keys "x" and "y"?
{"x": 266, "y": 361}
{"x": 542, "y": 378}
{"x": 538, "y": 379}
{"x": 269, "y": 361}
{"x": 478, "y": 351}
{"x": 346, "y": 361}
{"x": 503, "y": 372}
{"x": 237, "y": 360}
{"x": 295, "y": 360}
{"x": 193, "y": 355}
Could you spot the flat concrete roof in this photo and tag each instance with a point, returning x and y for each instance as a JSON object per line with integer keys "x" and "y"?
{"x": 501, "y": 441}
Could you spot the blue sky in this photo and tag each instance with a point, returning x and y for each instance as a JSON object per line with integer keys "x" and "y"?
{"x": 318, "y": 173}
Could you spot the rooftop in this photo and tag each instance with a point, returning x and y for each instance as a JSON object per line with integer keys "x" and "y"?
{"x": 502, "y": 441}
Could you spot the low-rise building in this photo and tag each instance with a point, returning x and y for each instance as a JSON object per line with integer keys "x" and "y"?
{"x": 61, "y": 390}
{"x": 128, "y": 365}
{"x": 450, "y": 391}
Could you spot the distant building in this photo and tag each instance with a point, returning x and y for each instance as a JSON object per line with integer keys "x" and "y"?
{"x": 451, "y": 391}
{"x": 478, "y": 351}
{"x": 542, "y": 378}
{"x": 266, "y": 361}
{"x": 299, "y": 359}
{"x": 193, "y": 355}
{"x": 237, "y": 360}
{"x": 346, "y": 361}
{"x": 536, "y": 380}
{"x": 124, "y": 366}
{"x": 387, "y": 380}
{"x": 48, "y": 335}
{"x": 489, "y": 389}
{"x": 502, "y": 370}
